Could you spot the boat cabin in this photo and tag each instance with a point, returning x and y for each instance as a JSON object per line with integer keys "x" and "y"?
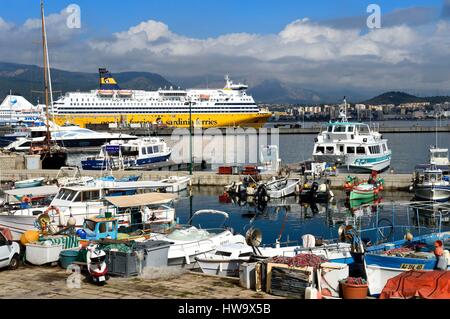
{"x": 428, "y": 176}
{"x": 144, "y": 210}
{"x": 100, "y": 227}
{"x": 141, "y": 148}
{"x": 439, "y": 156}
{"x": 342, "y": 138}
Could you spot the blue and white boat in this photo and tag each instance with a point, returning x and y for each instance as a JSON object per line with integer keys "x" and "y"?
{"x": 431, "y": 185}
{"x": 385, "y": 261}
{"x": 352, "y": 147}
{"x": 121, "y": 154}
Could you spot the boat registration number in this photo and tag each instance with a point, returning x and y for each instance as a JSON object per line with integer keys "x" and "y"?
{"x": 102, "y": 278}
{"x": 412, "y": 266}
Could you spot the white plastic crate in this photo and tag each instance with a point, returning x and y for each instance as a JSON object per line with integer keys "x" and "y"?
{"x": 41, "y": 254}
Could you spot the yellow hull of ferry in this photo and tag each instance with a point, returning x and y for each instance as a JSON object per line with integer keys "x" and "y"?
{"x": 172, "y": 120}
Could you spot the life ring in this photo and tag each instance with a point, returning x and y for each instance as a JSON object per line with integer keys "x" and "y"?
{"x": 52, "y": 208}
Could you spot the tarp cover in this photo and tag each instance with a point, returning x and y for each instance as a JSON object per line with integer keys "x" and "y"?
{"x": 140, "y": 199}
{"x": 422, "y": 284}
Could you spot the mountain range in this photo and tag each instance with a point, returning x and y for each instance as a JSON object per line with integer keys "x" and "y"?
{"x": 27, "y": 80}
{"x": 396, "y": 98}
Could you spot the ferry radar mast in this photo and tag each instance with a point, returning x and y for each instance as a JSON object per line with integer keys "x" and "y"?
{"x": 343, "y": 113}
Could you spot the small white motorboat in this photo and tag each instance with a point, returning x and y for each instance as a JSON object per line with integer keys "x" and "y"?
{"x": 35, "y": 182}
{"x": 190, "y": 242}
{"x": 282, "y": 187}
{"x": 225, "y": 261}
{"x": 176, "y": 183}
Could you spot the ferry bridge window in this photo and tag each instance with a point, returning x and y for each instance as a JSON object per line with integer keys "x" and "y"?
{"x": 339, "y": 129}
{"x": 330, "y": 149}
{"x": 320, "y": 149}
{"x": 330, "y": 129}
{"x": 350, "y": 129}
{"x": 149, "y": 150}
{"x": 360, "y": 150}
{"x": 144, "y": 151}
{"x": 155, "y": 149}
{"x": 341, "y": 148}
{"x": 350, "y": 150}
{"x": 363, "y": 129}
{"x": 384, "y": 148}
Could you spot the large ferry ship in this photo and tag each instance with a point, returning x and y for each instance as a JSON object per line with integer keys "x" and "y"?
{"x": 15, "y": 109}
{"x": 230, "y": 106}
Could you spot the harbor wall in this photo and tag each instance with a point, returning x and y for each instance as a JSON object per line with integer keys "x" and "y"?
{"x": 145, "y": 131}
{"x": 392, "y": 181}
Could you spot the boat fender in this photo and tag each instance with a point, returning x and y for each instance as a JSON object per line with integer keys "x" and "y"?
{"x": 26, "y": 199}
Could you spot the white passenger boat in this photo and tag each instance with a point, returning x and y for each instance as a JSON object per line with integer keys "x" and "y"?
{"x": 352, "y": 147}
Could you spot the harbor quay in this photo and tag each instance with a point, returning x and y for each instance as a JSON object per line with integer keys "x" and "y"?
{"x": 31, "y": 282}
{"x": 204, "y": 178}
{"x": 282, "y": 130}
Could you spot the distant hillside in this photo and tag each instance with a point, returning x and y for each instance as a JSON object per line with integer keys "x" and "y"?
{"x": 23, "y": 79}
{"x": 273, "y": 91}
{"x": 397, "y": 98}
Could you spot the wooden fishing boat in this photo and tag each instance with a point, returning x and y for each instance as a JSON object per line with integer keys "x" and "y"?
{"x": 364, "y": 191}
{"x": 385, "y": 261}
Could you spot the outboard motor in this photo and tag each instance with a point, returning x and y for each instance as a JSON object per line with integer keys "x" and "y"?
{"x": 313, "y": 190}
{"x": 96, "y": 264}
{"x": 261, "y": 194}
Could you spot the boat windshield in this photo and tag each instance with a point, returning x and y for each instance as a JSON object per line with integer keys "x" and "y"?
{"x": 440, "y": 154}
{"x": 189, "y": 234}
{"x": 433, "y": 177}
{"x": 363, "y": 129}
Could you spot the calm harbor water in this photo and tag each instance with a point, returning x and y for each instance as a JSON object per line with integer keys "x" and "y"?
{"x": 292, "y": 219}
{"x": 408, "y": 150}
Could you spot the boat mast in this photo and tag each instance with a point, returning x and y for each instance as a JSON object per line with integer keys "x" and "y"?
{"x": 47, "y": 94}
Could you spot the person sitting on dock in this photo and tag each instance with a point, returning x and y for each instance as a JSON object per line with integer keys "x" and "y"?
{"x": 441, "y": 261}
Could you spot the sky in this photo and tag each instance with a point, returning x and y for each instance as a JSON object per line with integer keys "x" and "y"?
{"x": 321, "y": 45}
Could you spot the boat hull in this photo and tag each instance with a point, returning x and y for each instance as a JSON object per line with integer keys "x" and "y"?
{"x": 355, "y": 164}
{"x": 54, "y": 160}
{"x": 380, "y": 269}
{"x": 205, "y": 120}
{"x": 86, "y": 142}
{"x": 434, "y": 193}
{"x": 101, "y": 164}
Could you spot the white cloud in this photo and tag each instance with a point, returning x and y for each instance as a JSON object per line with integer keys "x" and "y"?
{"x": 308, "y": 53}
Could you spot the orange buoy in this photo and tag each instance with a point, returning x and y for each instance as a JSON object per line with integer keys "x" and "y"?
{"x": 29, "y": 236}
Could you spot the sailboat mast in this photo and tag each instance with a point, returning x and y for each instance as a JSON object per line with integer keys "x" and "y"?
{"x": 46, "y": 74}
